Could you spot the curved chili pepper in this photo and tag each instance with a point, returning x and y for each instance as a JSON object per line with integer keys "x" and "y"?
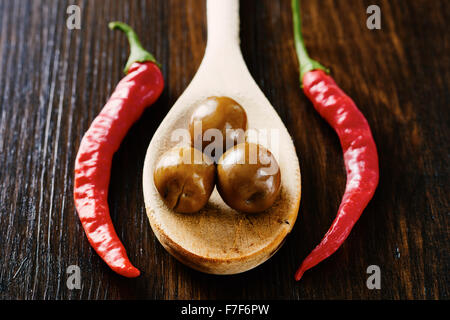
{"x": 358, "y": 146}
{"x": 140, "y": 88}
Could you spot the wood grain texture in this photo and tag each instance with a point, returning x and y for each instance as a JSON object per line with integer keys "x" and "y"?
{"x": 54, "y": 81}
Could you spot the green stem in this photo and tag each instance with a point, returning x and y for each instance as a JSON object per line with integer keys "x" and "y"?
{"x": 137, "y": 51}
{"x": 306, "y": 63}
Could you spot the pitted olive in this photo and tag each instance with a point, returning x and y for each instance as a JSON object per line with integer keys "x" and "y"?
{"x": 248, "y": 178}
{"x": 184, "y": 177}
{"x": 218, "y": 115}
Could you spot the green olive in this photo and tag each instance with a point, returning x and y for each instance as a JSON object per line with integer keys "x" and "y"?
{"x": 184, "y": 177}
{"x": 248, "y": 178}
{"x": 220, "y": 113}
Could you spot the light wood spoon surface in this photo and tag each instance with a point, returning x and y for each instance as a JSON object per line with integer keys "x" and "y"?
{"x": 218, "y": 239}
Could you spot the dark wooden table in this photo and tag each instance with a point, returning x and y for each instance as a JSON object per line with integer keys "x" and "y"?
{"x": 54, "y": 81}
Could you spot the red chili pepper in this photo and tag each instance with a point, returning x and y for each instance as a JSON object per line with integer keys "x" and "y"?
{"x": 140, "y": 88}
{"x": 358, "y": 146}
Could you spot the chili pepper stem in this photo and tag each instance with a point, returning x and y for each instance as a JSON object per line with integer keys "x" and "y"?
{"x": 137, "y": 51}
{"x": 306, "y": 63}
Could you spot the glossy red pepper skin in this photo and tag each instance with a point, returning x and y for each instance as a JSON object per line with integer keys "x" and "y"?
{"x": 360, "y": 157}
{"x": 139, "y": 89}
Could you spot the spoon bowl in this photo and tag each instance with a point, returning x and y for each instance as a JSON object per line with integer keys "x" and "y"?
{"x": 218, "y": 239}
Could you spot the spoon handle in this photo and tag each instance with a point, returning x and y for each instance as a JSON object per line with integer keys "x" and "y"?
{"x": 223, "y": 25}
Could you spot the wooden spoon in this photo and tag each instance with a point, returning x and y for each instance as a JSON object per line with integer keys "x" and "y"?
{"x": 218, "y": 239}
